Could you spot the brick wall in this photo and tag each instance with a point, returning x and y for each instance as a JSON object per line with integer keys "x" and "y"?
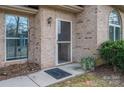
{"x": 103, "y": 23}
{"x": 89, "y": 30}
{"x": 48, "y": 34}
{"x": 86, "y": 29}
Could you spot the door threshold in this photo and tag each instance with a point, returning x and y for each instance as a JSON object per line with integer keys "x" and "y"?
{"x": 64, "y": 63}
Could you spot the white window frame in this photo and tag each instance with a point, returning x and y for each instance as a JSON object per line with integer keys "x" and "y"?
{"x": 114, "y": 26}
{"x": 13, "y": 60}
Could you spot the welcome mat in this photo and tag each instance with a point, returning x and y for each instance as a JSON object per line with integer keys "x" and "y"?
{"x": 57, "y": 73}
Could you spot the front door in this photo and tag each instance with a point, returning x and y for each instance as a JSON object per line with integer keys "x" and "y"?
{"x": 63, "y": 42}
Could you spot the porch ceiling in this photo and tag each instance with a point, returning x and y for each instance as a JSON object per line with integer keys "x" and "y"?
{"x": 31, "y": 10}
{"x": 69, "y": 8}
{"x": 19, "y": 8}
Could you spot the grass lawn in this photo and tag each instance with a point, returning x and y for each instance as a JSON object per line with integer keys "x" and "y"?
{"x": 102, "y": 77}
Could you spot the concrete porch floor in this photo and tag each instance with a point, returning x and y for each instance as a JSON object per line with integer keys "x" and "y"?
{"x": 40, "y": 78}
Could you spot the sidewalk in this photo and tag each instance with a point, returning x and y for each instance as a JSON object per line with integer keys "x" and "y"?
{"x": 41, "y": 79}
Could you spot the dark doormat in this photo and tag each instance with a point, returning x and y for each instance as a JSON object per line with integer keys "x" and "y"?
{"x": 57, "y": 73}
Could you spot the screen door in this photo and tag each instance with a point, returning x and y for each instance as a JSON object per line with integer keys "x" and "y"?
{"x": 63, "y": 41}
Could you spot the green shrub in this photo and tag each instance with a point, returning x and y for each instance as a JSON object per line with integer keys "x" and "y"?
{"x": 113, "y": 53}
{"x": 88, "y": 63}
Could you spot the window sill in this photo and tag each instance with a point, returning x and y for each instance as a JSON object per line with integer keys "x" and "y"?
{"x": 16, "y": 60}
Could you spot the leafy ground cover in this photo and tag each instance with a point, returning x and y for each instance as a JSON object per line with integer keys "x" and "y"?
{"x": 18, "y": 70}
{"x": 103, "y": 76}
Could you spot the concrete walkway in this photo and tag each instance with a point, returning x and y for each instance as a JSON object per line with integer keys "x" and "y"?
{"x": 41, "y": 79}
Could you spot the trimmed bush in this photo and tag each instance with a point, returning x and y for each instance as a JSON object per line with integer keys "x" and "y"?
{"x": 113, "y": 53}
{"x": 88, "y": 63}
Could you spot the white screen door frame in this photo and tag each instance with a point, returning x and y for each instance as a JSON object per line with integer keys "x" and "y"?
{"x": 65, "y": 42}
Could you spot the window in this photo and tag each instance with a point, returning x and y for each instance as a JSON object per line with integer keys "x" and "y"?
{"x": 16, "y": 37}
{"x": 114, "y": 26}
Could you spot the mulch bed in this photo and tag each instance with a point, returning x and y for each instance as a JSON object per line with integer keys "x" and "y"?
{"x": 106, "y": 72}
{"x": 18, "y": 70}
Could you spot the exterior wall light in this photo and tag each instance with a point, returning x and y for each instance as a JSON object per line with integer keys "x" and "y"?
{"x": 49, "y": 20}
